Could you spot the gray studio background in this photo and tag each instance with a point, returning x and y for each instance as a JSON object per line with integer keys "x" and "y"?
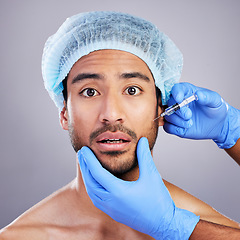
{"x": 36, "y": 157}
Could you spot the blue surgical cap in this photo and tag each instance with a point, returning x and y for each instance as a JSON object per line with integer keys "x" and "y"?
{"x": 84, "y": 33}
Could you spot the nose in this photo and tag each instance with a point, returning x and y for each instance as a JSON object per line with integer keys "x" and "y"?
{"x": 111, "y": 110}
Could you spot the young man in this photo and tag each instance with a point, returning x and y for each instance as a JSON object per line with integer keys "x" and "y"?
{"x": 108, "y": 66}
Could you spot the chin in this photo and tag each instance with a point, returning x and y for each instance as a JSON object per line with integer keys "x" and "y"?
{"x": 118, "y": 164}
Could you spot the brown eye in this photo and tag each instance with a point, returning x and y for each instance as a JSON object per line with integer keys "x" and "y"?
{"x": 89, "y": 92}
{"x": 132, "y": 91}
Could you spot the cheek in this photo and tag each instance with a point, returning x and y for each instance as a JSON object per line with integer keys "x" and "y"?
{"x": 144, "y": 109}
{"x": 81, "y": 119}
{"x": 141, "y": 114}
{"x": 79, "y": 113}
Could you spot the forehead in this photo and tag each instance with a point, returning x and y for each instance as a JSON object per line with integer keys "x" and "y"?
{"x": 110, "y": 62}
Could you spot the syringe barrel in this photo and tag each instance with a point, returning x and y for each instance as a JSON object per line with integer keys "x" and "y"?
{"x": 172, "y": 109}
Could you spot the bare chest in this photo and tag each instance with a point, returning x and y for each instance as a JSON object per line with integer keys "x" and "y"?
{"x": 85, "y": 233}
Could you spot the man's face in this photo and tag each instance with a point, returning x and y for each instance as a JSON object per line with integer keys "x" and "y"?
{"x": 111, "y": 104}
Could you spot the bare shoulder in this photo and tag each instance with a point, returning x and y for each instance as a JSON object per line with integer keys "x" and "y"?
{"x": 184, "y": 200}
{"x": 19, "y": 232}
{"x": 38, "y": 221}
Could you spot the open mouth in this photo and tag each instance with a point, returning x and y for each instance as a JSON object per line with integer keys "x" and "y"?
{"x": 113, "y": 141}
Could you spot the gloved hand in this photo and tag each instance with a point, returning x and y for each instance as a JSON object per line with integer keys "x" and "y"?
{"x": 210, "y": 117}
{"x": 144, "y": 205}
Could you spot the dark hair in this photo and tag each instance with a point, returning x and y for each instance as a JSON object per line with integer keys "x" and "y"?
{"x": 64, "y": 91}
{"x": 158, "y": 94}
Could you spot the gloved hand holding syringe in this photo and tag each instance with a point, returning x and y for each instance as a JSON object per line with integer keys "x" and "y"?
{"x": 172, "y": 109}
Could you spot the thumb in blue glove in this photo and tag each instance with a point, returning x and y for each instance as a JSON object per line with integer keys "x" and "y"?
{"x": 144, "y": 205}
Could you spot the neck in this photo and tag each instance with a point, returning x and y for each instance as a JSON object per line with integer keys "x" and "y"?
{"x": 83, "y": 197}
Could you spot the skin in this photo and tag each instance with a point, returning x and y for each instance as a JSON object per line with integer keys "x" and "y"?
{"x": 69, "y": 213}
{"x": 234, "y": 152}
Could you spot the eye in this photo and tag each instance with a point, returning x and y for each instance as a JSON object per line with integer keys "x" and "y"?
{"x": 89, "y": 92}
{"x": 133, "y": 90}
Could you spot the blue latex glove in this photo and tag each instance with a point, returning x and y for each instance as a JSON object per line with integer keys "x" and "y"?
{"x": 144, "y": 205}
{"x": 210, "y": 117}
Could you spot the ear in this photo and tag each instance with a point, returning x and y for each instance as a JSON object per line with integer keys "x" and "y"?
{"x": 63, "y": 118}
{"x": 160, "y": 110}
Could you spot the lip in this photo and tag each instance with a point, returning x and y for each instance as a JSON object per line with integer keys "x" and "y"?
{"x": 104, "y": 146}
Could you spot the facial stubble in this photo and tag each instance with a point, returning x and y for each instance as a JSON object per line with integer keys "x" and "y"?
{"x": 121, "y": 162}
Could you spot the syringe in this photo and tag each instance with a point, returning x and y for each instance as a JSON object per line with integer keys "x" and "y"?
{"x": 172, "y": 109}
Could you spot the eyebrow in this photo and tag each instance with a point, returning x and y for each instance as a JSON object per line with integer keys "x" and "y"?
{"x": 135, "y": 75}
{"x": 83, "y": 76}
{"x": 96, "y": 76}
